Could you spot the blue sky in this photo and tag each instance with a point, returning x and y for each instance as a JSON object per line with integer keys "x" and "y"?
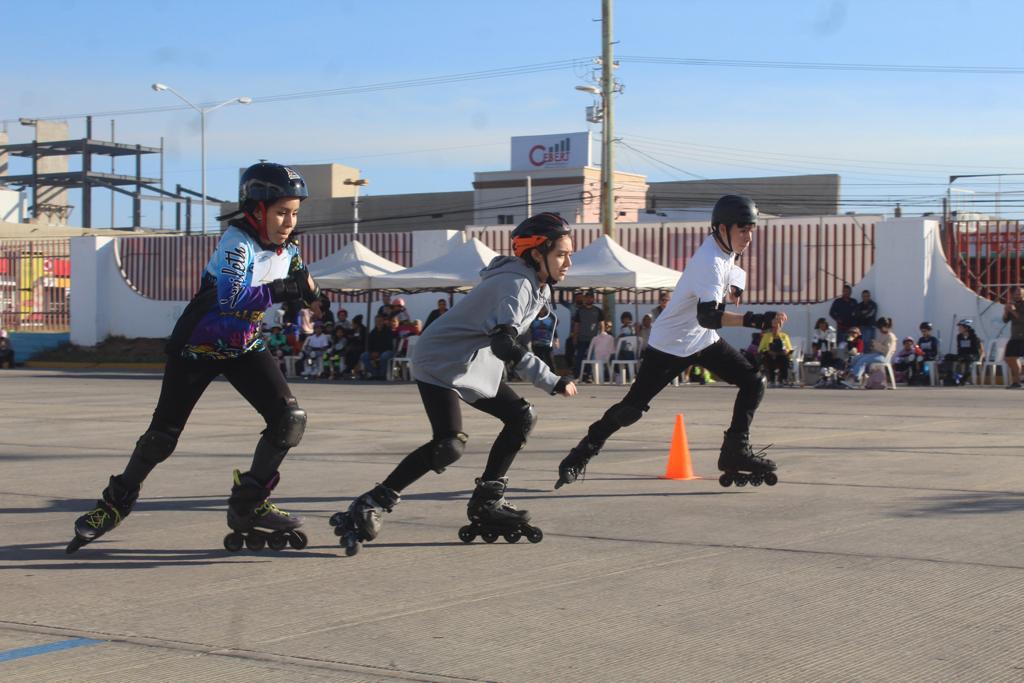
{"x": 890, "y": 135}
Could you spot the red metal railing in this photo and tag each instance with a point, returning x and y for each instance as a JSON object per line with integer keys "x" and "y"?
{"x": 986, "y": 255}
{"x": 170, "y": 268}
{"x": 35, "y": 282}
{"x": 789, "y": 262}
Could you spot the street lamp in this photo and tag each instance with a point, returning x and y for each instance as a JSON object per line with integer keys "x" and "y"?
{"x": 203, "y": 111}
{"x": 357, "y": 182}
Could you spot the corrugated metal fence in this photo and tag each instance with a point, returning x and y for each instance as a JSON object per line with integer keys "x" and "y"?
{"x": 35, "y": 284}
{"x": 170, "y": 268}
{"x": 789, "y": 262}
{"x": 986, "y": 255}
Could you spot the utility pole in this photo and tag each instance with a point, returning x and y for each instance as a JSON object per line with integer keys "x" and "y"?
{"x": 607, "y": 96}
{"x": 607, "y": 158}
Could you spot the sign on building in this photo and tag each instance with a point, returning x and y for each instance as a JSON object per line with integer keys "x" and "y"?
{"x": 567, "y": 150}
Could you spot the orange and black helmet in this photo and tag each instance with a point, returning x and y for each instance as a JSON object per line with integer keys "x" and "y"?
{"x": 538, "y": 232}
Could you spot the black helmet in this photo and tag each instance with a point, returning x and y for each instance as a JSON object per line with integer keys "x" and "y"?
{"x": 266, "y": 182}
{"x": 538, "y": 232}
{"x": 732, "y": 210}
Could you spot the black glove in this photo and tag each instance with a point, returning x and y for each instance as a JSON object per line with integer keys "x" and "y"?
{"x": 301, "y": 278}
{"x": 563, "y": 382}
{"x": 285, "y": 289}
{"x": 759, "y": 321}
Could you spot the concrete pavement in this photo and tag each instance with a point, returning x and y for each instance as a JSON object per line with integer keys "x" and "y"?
{"x": 890, "y": 550}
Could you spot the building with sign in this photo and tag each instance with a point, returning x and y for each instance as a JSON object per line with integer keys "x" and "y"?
{"x": 552, "y": 173}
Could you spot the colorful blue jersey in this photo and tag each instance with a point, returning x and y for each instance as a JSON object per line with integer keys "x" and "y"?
{"x": 225, "y": 317}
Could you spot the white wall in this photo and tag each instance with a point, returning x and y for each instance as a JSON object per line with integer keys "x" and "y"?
{"x": 910, "y": 280}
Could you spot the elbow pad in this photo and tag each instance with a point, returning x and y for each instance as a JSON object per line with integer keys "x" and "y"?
{"x": 759, "y": 321}
{"x": 709, "y": 314}
{"x": 505, "y": 344}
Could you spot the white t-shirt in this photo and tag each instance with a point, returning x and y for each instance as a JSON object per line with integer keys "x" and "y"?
{"x": 705, "y": 278}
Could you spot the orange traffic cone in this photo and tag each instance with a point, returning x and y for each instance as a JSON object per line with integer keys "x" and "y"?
{"x": 679, "y": 465}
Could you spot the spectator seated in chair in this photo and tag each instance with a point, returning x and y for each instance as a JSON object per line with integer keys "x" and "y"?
{"x": 908, "y": 363}
{"x": 313, "y": 350}
{"x": 603, "y": 345}
{"x": 277, "y": 344}
{"x": 334, "y": 357}
{"x": 776, "y": 353}
{"x": 883, "y": 346}
{"x": 969, "y": 350}
{"x": 380, "y": 348}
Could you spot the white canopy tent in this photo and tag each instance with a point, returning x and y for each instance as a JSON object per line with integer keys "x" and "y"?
{"x": 458, "y": 270}
{"x": 354, "y": 267}
{"x": 605, "y": 265}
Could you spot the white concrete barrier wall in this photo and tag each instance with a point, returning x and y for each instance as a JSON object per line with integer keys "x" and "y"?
{"x": 910, "y": 280}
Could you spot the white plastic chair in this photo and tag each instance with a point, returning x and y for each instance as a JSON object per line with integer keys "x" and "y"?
{"x": 625, "y": 366}
{"x": 597, "y": 366}
{"x": 796, "y": 360}
{"x": 401, "y": 366}
{"x": 995, "y": 358}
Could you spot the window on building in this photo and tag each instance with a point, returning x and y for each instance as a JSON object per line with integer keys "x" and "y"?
{"x": 506, "y": 219}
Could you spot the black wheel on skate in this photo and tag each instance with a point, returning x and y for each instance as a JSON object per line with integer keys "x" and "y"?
{"x": 771, "y": 478}
{"x": 466, "y": 534}
{"x": 298, "y": 540}
{"x": 741, "y": 480}
{"x": 756, "y": 480}
{"x": 725, "y": 480}
{"x": 233, "y": 542}
{"x": 76, "y": 543}
{"x": 351, "y": 544}
{"x": 277, "y": 541}
{"x": 336, "y": 520}
{"x": 513, "y": 536}
{"x": 254, "y": 542}
{"x": 534, "y": 535}
{"x": 489, "y": 536}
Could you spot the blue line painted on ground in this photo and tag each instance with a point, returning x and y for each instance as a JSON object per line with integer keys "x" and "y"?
{"x": 49, "y": 647}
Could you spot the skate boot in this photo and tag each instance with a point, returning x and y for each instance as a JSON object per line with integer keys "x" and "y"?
{"x": 363, "y": 519}
{"x": 110, "y": 510}
{"x": 256, "y": 522}
{"x": 740, "y": 465}
{"x": 490, "y": 516}
{"x": 574, "y": 465}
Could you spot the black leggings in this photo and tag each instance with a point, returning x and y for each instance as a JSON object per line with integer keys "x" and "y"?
{"x": 256, "y": 376}
{"x": 659, "y": 368}
{"x": 445, "y": 415}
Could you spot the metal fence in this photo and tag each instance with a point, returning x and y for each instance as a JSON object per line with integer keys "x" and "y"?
{"x": 35, "y": 285}
{"x": 986, "y": 255}
{"x": 789, "y": 262}
{"x": 170, "y": 268}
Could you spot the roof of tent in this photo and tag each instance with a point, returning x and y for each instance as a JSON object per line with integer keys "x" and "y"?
{"x": 604, "y": 264}
{"x": 354, "y": 266}
{"x": 458, "y": 269}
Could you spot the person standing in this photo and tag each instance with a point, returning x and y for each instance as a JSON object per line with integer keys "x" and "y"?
{"x": 586, "y": 324}
{"x": 461, "y": 357}
{"x": 254, "y": 265}
{"x": 544, "y": 336}
{"x": 844, "y": 310}
{"x": 686, "y": 334}
{"x": 867, "y": 317}
{"x": 442, "y": 308}
{"x": 1013, "y": 313}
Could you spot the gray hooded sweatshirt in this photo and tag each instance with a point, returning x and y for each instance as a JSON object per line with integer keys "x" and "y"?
{"x": 455, "y": 351}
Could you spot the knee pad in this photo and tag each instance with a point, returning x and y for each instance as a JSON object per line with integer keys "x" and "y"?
{"x": 155, "y": 446}
{"x": 524, "y": 422}
{"x": 624, "y": 415}
{"x": 445, "y": 450}
{"x": 755, "y": 386}
{"x": 286, "y": 430}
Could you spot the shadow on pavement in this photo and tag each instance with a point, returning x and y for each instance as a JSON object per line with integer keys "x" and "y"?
{"x": 968, "y": 504}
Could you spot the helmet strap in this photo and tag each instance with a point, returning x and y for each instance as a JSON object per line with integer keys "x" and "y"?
{"x": 725, "y": 244}
{"x": 260, "y": 227}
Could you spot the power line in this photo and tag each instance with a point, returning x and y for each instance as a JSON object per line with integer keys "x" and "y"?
{"x": 825, "y": 66}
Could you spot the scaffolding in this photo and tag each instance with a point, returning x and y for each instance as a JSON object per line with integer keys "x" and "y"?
{"x": 140, "y": 188}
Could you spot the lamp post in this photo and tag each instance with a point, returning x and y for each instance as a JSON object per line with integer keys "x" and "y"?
{"x": 203, "y": 111}
{"x": 357, "y": 182}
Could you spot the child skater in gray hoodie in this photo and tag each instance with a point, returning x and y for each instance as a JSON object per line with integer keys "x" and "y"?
{"x": 462, "y": 357}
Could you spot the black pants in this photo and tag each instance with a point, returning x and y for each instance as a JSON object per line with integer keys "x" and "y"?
{"x": 659, "y": 368}
{"x": 543, "y": 352}
{"x": 445, "y": 414}
{"x": 776, "y": 363}
{"x": 256, "y": 376}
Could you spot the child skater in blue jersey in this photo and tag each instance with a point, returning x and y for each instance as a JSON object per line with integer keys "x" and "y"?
{"x": 255, "y": 265}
